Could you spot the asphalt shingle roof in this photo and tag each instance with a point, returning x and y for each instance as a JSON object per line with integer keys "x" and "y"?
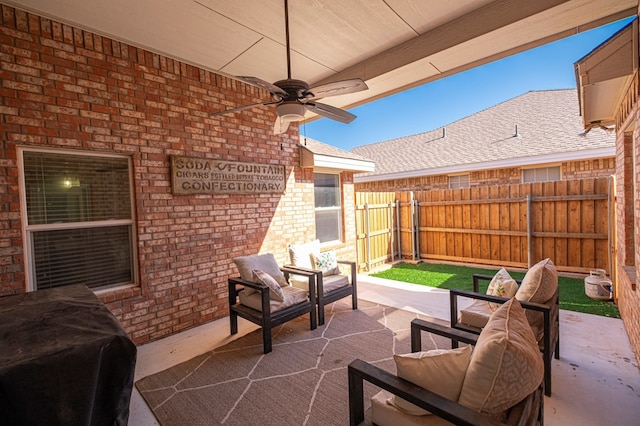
{"x": 320, "y": 148}
{"x": 548, "y": 122}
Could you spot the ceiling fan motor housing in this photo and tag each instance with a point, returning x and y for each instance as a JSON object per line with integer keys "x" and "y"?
{"x": 290, "y": 110}
{"x": 296, "y": 89}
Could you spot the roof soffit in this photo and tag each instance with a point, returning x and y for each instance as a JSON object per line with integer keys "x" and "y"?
{"x": 604, "y": 75}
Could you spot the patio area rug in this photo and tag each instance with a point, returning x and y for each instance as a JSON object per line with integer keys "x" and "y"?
{"x": 302, "y": 382}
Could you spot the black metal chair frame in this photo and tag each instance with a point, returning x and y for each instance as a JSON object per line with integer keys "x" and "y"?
{"x": 529, "y": 411}
{"x": 551, "y": 332}
{"x": 265, "y": 318}
{"x": 336, "y": 294}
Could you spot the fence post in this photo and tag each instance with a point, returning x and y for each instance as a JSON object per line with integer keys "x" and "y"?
{"x": 416, "y": 231}
{"x": 611, "y": 230}
{"x": 529, "y": 232}
{"x": 391, "y": 240}
{"x": 367, "y": 232}
{"x": 398, "y": 229}
{"x": 412, "y": 226}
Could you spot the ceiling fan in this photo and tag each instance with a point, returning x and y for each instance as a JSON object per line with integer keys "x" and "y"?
{"x": 293, "y": 98}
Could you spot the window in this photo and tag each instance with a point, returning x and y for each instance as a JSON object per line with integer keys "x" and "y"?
{"x": 541, "y": 174}
{"x": 327, "y": 207}
{"x": 79, "y": 219}
{"x": 458, "y": 181}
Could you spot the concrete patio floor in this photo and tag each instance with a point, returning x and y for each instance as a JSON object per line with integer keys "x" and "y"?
{"x": 596, "y": 381}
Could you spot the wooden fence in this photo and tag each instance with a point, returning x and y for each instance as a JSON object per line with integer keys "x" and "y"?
{"x": 511, "y": 225}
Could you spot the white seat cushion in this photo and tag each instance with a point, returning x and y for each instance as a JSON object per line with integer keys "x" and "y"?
{"x": 299, "y": 281}
{"x": 292, "y": 296}
{"x": 476, "y": 314}
{"x": 329, "y": 283}
{"x": 385, "y": 414}
{"x": 332, "y": 282}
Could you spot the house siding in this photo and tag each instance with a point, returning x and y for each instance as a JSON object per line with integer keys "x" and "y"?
{"x": 66, "y": 88}
{"x": 511, "y": 175}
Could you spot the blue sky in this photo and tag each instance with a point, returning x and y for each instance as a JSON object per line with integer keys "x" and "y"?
{"x": 447, "y": 100}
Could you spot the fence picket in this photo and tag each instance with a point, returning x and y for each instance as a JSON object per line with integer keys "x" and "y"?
{"x": 512, "y": 225}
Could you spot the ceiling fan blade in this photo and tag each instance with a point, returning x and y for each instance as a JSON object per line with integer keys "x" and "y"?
{"x": 280, "y": 126}
{"x": 242, "y": 108}
{"x": 271, "y": 88}
{"x": 330, "y": 112}
{"x": 338, "y": 88}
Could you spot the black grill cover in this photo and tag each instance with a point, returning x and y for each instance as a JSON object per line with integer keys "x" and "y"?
{"x": 64, "y": 360}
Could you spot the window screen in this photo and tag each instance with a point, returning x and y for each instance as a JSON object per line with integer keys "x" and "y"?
{"x": 541, "y": 174}
{"x": 458, "y": 181}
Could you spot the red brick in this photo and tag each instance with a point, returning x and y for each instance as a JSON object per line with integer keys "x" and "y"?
{"x": 105, "y": 96}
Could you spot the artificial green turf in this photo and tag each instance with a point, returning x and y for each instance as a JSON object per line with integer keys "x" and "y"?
{"x": 572, "y": 296}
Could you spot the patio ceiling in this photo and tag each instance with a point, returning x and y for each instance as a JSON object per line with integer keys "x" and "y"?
{"x": 391, "y": 44}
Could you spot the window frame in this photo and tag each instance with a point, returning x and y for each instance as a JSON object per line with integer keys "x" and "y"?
{"x": 339, "y": 209}
{"x": 546, "y": 168}
{"x": 458, "y": 184}
{"x": 28, "y": 230}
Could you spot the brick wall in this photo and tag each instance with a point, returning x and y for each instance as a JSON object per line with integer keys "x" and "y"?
{"x": 512, "y": 175}
{"x": 589, "y": 168}
{"x": 628, "y": 226}
{"x": 66, "y": 88}
{"x": 625, "y": 197}
{"x": 628, "y": 301}
{"x": 405, "y": 184}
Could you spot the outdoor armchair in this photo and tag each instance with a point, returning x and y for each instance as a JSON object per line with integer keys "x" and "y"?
{"x": 538, "y": 294}
{"x": 263, "y": 296}
{"x": 500, "y": 382}
{"x": 333, "y": 281}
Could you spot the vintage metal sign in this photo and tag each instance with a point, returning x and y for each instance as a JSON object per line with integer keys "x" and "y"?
{"x": 191, "y": 175}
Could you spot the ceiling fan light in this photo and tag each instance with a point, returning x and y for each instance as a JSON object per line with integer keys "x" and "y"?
{"x": 290, "y": 111}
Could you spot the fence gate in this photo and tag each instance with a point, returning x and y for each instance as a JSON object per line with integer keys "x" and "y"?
{"x": 378, "y": 233}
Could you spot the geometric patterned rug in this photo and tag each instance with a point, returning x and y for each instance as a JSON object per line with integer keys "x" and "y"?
{"x": 303, "y": 381}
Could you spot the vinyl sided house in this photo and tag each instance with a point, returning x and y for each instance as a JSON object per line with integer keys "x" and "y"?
{"x": 537, "y": 136}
